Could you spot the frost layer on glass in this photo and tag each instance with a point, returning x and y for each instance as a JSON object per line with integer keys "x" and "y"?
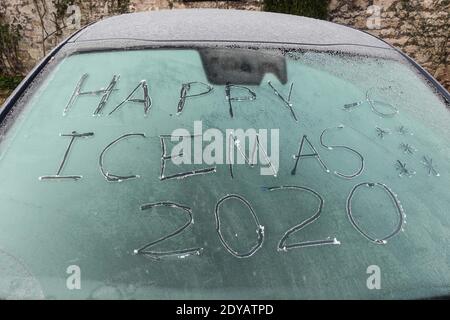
{"x": 380, "y": 133}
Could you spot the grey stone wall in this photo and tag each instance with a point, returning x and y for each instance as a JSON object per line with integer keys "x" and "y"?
{"x": 421, "y": 28}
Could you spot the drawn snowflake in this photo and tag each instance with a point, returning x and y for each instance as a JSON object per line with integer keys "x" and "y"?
{"x": 428, "y": 163}
{"x": 407, "y": 148}
{"x": 404, "y": 131}
{"x": 403, "y": 170}
{"x": 382, "y": 132}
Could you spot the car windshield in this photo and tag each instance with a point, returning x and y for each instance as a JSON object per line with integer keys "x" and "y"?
{"x": 185, "y": 173}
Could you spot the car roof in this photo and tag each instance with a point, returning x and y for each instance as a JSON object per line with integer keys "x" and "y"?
{"x": 215, "y": 25}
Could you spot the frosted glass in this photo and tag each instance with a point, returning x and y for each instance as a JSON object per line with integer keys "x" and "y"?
{"x": 96, "y": 225}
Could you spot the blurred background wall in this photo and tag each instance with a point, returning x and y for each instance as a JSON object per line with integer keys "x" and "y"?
{"x": 30, "y": 28}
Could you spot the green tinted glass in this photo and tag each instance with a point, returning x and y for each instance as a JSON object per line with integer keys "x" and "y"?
{"x": 359, "y": 145}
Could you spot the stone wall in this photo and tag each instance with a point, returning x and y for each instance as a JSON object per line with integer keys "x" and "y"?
{"x": 419, "y": 27}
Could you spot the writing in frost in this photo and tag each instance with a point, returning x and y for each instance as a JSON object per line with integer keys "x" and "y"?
{"x": 262, "y": 151}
